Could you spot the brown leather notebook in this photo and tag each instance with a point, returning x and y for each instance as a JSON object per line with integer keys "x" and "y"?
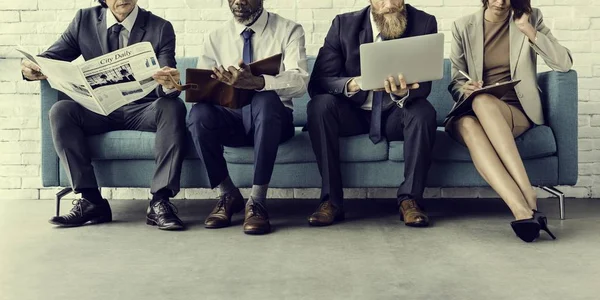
{"x": 200, "y": 87}
{"x": 464, "y": 106}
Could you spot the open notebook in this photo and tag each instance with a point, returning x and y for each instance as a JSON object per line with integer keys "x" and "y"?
{"x": 498, "y": 90}
{"x": 200, "y": 87}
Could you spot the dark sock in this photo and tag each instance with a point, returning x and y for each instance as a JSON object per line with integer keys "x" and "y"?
{"x": 92, "y": 195}
{"x": 163, "y": 194}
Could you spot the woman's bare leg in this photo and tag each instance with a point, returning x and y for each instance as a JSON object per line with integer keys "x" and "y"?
{"x": 497, "y": 119}
{"x": 490, "y": 166}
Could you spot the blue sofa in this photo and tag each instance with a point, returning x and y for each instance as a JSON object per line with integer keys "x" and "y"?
{"x": 126, "y": 158}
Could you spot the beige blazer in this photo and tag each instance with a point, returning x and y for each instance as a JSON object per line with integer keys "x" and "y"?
{"x": 467, "y": 55}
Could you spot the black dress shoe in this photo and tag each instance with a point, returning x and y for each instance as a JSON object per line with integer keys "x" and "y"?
{"x": 228, "y": 204}
{"x": 163, "y": 213}
{"x": 84, "y": 212}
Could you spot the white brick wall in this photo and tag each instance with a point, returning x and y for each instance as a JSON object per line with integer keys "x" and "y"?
{"x": 35, "y": 24}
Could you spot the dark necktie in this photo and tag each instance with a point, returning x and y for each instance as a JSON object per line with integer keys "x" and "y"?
{"x": 114, "y": 36}
{"x": 247, "y": 34}
{"x": 376, "y": 111}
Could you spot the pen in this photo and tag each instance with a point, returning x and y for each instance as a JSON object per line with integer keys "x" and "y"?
{"x": 465, "y": 74}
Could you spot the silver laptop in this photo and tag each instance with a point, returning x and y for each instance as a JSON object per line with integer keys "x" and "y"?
{"x": 419, "y": 59}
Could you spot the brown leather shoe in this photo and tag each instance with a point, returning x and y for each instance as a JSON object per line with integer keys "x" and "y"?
{"x": 326, "y": 214}
{"x": 257, "y": 219}
{"x": 228, "y": 204}
{"x": 412, "y": 215}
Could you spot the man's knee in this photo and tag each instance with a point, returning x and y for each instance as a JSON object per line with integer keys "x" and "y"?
{"x": 266, "y": 101}
{"x": 321, "y": 105}
{"x": 265, "y": 97}
{"x": 203, "y": 116}
{"x": 171, "y": 108}
{"x": 62, "y": 111}
{"x": 267, "y": 106}
{"x": 422, "y": 111}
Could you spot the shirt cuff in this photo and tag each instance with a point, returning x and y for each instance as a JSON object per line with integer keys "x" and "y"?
{"x": 400, "y": 101}
{"x": 167, "y": 91}
{"x": 269, "y": 83}
{"x": 346, "y": 93}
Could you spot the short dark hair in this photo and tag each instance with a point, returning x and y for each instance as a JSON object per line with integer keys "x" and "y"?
{"x": 103, "y": 3}
{"x": 519, "y": 6}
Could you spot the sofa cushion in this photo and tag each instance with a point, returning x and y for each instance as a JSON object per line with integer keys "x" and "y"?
{"x": 126, "y": 144}
{"x": 439, "y": 97}
{"x": 538, "y": 142}
{"x": 298, "y": 149}
{"x": 301, "y": 103}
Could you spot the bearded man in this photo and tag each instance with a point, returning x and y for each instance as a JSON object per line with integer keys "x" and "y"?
{"x": 252, "y": 34}
{"x": 339, "y": 108}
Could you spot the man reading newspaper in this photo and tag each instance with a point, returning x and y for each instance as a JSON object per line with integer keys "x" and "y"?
{"x": 104, "y": 83}
{"x": 94, "y": 32}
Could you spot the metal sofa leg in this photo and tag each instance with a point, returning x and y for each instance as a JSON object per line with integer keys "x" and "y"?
{"x": 561, "y": 199}
{"x": 59, "y": 196}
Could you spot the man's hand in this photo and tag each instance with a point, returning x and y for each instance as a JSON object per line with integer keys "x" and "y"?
{"x": 162, "y": 77}
{"x": 353, "y": 86}
{"x": 525, "y": 27}
{"x": 241, "y": 78}
{"x": 470, "y": 86}
{"x": 398, "y": 90}
{"x": 31, "y": 71}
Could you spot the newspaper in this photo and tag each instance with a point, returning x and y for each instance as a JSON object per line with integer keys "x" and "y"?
{"x": 104, "y": 83}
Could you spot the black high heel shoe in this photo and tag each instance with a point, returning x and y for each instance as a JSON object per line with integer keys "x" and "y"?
{"x": 541, "y": 217}
{"x": 529, "y": 229}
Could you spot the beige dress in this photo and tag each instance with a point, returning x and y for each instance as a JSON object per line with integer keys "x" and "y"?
{"x": 496, "y": 69}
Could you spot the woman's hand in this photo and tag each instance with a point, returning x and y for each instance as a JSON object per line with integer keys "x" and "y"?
{"x": 525, "y": 27}
{"x": 470, "y": 86}
{"x": 523, "y": 21}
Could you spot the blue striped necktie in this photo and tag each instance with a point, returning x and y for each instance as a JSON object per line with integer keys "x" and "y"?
{"x": 247, "y": 34}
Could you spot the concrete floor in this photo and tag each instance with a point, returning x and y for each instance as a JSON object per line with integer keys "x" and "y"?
{"x": 469, "y": 253}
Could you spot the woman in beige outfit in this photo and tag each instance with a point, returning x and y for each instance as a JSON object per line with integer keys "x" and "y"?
{"x": 500, "y": 43}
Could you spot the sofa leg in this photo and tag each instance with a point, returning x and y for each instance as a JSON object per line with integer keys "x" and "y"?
{"x": 561, "y": 199}
{"x": 59, "y": 196}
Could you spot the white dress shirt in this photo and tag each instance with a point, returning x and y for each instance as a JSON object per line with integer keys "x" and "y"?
{"x": 127, "y": 27}
{"x": 368, "y": 105}
{"x": 273, "y": 34}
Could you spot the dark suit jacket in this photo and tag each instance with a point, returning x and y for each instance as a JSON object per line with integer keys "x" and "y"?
{"x": 87, "y": 36}
{"x": 339, "y": 58}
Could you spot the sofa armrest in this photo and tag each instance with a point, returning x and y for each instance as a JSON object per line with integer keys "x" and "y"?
{"x": 50, "y": 163}
{"x": 559, "y": 101}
